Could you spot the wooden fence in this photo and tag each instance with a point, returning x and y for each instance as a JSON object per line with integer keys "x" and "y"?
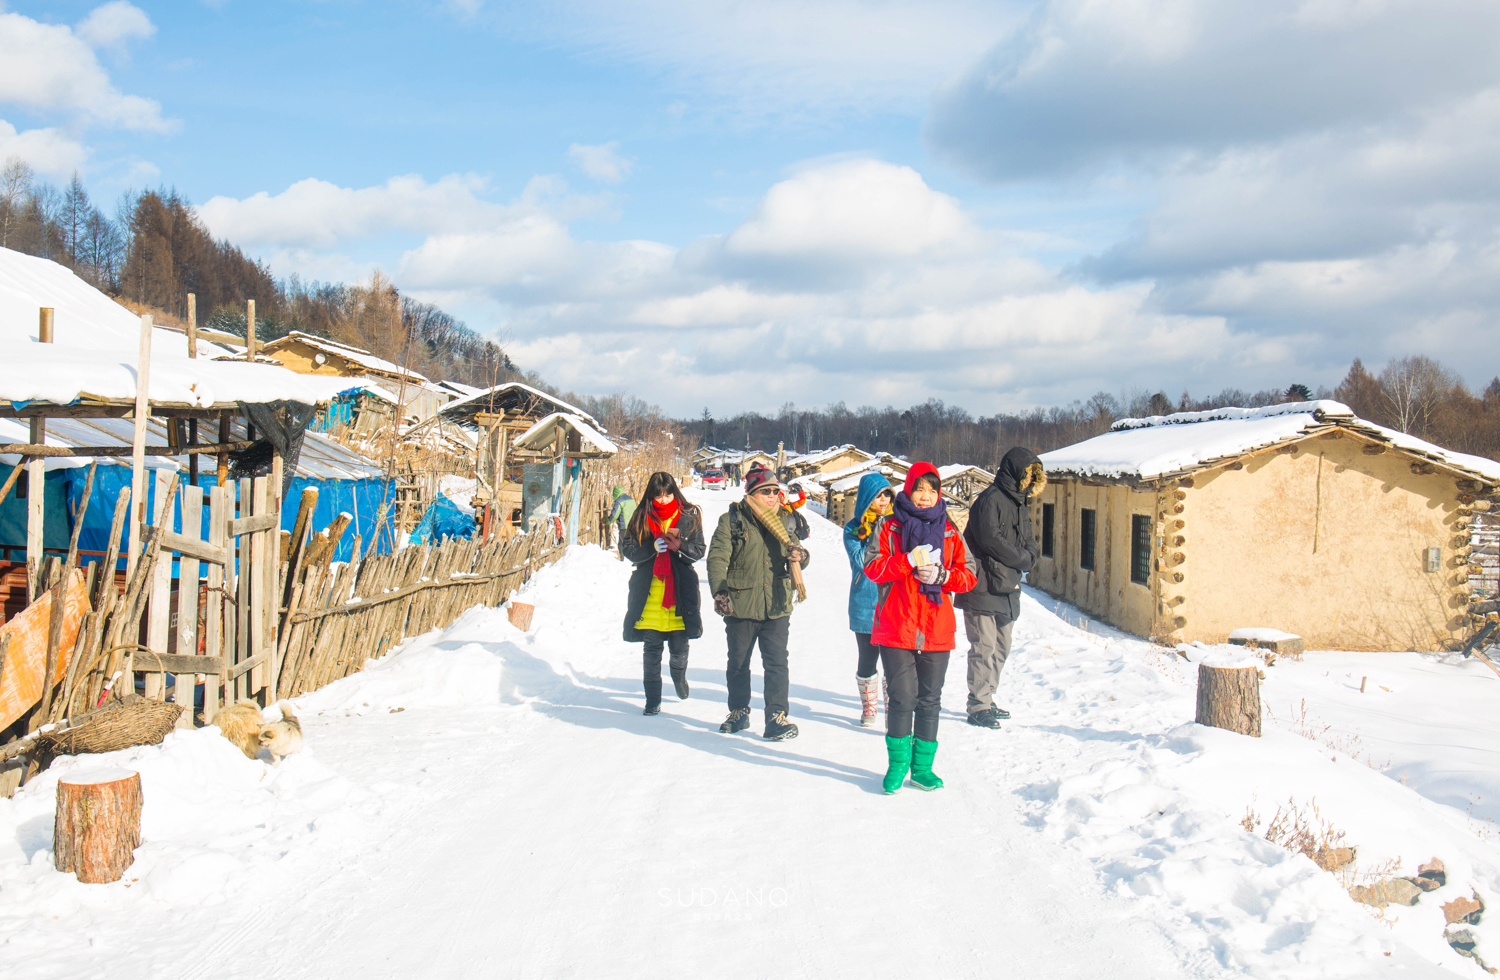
{"x": 272, "y": 615}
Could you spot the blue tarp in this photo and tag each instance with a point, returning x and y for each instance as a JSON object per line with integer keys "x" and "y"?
{"x": 359, "y": 498}
{"x": 443, "y": 520}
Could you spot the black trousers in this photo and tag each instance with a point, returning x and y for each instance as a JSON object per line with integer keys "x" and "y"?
{"x": 772, "y": 634}
{"x": 915, "y": 683}
{"x": 869, "y": 656}
{"x": 656, "y": 640}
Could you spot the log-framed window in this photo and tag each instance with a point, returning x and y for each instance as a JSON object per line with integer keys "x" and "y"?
{"x": 1140, "y": 549}
{"x": 1086, "y": 539}
{"x": 1049, "y": 517}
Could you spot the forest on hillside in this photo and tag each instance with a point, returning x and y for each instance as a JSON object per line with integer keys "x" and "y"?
{"x": 152, "y": 250}
{"x": 1413, "y": 394}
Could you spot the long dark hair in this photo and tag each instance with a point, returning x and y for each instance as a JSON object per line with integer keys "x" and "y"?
{"x": 661, "y": 482}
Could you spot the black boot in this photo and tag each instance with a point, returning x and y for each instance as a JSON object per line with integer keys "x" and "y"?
{"x": 778, "y": 729}
{"x": 653, "y": 695}
{"x": 679, "y": 681}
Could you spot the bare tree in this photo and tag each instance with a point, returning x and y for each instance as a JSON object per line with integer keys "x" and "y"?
{"x": 15, "y": 184}
{"x": 1411, "y": 388}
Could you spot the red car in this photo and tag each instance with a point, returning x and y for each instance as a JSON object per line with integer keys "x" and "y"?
{"x": 713, "y": 479}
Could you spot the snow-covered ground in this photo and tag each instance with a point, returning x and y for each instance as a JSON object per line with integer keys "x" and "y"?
{"x": 491, "y": 803}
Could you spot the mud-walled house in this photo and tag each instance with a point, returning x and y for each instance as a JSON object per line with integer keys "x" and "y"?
{"x": 1298, "y": 517}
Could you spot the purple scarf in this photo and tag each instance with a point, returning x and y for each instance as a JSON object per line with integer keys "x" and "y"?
{"x": 919, "y": 527}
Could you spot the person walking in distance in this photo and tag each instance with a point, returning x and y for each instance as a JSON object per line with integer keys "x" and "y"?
{"x": 755, "y": 566}
{"x": 663, "y": 539}
{"x": 872, "y": 501}
{"x": 1001, "y": 539}
{"x": 918, "y": 559}
{"x": 619, "y": 516}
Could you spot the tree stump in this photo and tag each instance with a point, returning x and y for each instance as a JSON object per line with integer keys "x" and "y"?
{"x": 520, "y": 615}
{"x": 1229, "y": 697}
{"x": 98, "y": 823}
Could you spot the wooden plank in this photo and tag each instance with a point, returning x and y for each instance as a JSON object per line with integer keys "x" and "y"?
{"x": 242, "y": 578}
{"x": 194, "y": 548}
{"x": 187, "y": 602}
{"x": 36, "y": 478}
{"x": 177, "y": 663}
{"x": 159, "y": 612}
{"x": 249, "y": 525}
{"x": 138, "y": 446}
{"x": 259, "y": 597}
{"x": 272, "y": 572}
{"x": 244, "y": 666}
{"x": 48, "y": 452}
{"x": 213, "y": 631}
{"x": 25, "y": 641}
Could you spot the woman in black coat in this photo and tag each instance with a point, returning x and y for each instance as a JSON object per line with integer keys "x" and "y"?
{"x": 663, "y": 539}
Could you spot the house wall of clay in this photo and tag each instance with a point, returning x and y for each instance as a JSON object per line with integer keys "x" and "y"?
{"x": 1326, "y": 537}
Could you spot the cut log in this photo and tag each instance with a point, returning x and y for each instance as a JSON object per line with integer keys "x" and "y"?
{"x": 98, "y": 823}
{"x": 520, "y": 615}
{"x": 1229, "y": 697}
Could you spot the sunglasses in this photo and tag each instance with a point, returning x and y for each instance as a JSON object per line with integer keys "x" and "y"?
{"x": 768, "y": 491}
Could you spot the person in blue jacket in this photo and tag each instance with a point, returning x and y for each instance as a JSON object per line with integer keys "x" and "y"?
{"x": 872, "y": 502}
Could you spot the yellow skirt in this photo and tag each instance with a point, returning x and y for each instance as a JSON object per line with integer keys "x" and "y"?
{"x": 654, "y": 617}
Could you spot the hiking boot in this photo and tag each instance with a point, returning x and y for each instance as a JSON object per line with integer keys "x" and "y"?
{"x": 778, "y": 729}
{"x": 679, "y": 681}
{"x": 1001, "y": 713}
{"x": 738, "y": 721}
{"x": 652, "y": 708}
{"x": 986, "y": 718}
{"x": 922, "y": 753}
{"x": 867, "y": 686}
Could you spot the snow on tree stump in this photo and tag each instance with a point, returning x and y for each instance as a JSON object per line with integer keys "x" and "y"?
{"x": 98, "y": 823}
{"x": 1229, "y": 697}
{"x": 520, "y": 615}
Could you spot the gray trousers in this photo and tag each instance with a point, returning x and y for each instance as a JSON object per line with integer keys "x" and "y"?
{"x": 989, "y": 645}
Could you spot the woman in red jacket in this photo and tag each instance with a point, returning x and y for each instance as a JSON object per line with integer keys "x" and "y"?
{"x": 918, "y": 559}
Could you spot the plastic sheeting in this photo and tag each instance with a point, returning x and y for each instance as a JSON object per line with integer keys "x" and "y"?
{"x": 443, "y": 520}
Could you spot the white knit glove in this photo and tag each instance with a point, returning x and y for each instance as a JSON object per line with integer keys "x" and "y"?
{"x": 928, "y": 574}
{"x": 661, "y": 545}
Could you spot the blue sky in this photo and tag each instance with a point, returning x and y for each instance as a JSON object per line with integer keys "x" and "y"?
{"x": 737, "y": 205}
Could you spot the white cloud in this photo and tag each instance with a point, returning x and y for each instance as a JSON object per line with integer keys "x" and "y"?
{"x": 113, "y": 24}
{"x": 48, "y": 68}
{"x": 603, "y": 162}
{"x": 779, "y": 55}
{"x": 48, "y": 151}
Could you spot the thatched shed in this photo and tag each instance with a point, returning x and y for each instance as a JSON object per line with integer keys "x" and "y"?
{"x": 1299, "y": 517}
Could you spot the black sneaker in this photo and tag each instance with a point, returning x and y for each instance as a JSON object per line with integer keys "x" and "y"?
{"x": 679, "y": 681}
{"x": 738, "y": 721}
{"x": 1001, "y": 713}
{"x": 988, "y": 718}
{"x": 778, "y": 729}
{"x": 652, "y": 709}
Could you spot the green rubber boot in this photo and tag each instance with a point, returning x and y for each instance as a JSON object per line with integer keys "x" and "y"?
{"x": 898, "y": 751}
{"x": 921, "y": 765}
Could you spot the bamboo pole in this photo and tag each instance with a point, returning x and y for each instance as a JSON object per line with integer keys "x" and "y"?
{"x": 192, "y": 327}
{"x": 250, "y": 330}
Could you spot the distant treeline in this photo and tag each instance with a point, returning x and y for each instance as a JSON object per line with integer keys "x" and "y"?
{"x": 1416, "y": 395}
{"x": 153, "y": 250}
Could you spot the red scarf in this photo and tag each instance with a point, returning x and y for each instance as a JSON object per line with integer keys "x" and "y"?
{"x": 661, "y": 517}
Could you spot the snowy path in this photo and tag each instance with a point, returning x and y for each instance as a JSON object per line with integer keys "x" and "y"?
{"x": 493, "y": 804}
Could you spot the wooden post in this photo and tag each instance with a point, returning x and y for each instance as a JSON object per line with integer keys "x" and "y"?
{"x": 36, "y": 486}
{"x": 159, "y": 614}
{"x": 250, "y": 330}
{"x": 192, "y": 325}
{"x": 1229, "y": 698}
{"x": 187, "y": 604}
{"x": 220, "y": 506}
{"x": 98, "y": 823}
{"x": 138, "y": 447}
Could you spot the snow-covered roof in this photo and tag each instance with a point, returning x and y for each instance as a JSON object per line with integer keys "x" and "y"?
{"x": 544, "y": 433}
{"x": 946, "y": 473}
{"x": 356, "y": 355}
{"x": 459, "y": 389}
{"x": 95, "y": 347}
{"x": 464, "y": 409}
{"x": 1166, "y": 445}
{"x": 823, "y": 455}
{"x": 321, "y": 457}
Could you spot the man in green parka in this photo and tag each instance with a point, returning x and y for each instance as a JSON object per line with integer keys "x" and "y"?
{"x": 750, "y": 576}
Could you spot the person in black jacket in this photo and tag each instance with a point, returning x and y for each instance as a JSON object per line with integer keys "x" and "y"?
{"x": 663, "y": 539}
{"x": 1001, "y": 539}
